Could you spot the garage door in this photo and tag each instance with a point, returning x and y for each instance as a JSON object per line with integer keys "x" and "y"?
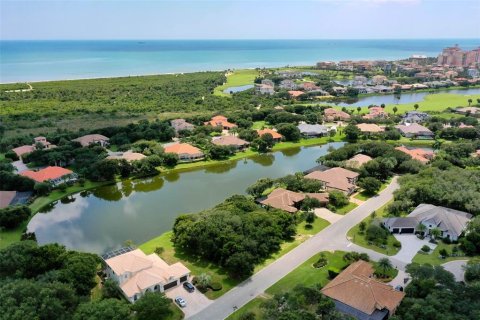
{"x": 408, "y": 230}
{"x": 184, "y": 278}
{"x": 170, "y": 285}
{"x": 395, "y": 230}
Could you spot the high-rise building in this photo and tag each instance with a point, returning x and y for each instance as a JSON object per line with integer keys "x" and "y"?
{"x": 456, "y": 57}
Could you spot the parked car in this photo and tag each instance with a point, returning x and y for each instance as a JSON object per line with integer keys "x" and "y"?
{"x": 188, "y": 286}
{"x": 182, "y": 303}
{"x": 399, "y": 288}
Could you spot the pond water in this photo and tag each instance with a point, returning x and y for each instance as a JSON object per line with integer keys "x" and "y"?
{"x": 238, "y": 89}
{"x": 405, "y": 97}
{"x": 138, "y": 210}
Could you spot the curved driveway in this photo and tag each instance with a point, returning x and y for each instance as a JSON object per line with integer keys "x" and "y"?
{"x": 332, "y": 237}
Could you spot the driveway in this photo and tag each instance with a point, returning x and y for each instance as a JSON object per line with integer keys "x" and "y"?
{"x": 456, "y": 267}
{"x": 196, "y": 301}
{"x": 20, "y": 166}
{"x": 328, "y": 215}
{"x": 332, "y": 237}
{"x": 410, "y": 246}
{"x": 399, "y": 280}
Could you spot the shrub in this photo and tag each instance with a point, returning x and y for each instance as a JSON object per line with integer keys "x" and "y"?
{"x": 249, "y": 315}
{"x": 338, "y": 199}
{"x": 333, "y": 272}
{"x": 62, "y": 187}
{"x": 425, "y": 248}
{"x": 11, "y": 217}
{"x": 355, "y": 256}
{"x": 215, "y": 286}
{"x": 42, "y": 188}
{"x": 81, "y": 182}
{"x": 397, "y": 244}
{"x": 443, "y": 253}
{"x": 159, "y": 250}
{"x": 321, "y": 262}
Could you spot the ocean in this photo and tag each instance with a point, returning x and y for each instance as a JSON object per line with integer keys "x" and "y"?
{"x": 22, "y": 61}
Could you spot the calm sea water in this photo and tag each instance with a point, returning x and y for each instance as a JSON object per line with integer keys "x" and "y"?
{"x": 55, "y": 60}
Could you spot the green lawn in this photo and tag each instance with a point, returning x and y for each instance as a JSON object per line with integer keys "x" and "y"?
{"x": 235, "y": 79}
{"x": 364, "y": 196}
{"x": 346, "y": 209}
{"x": 433, "y": 257}
{"x": 252, "y": 306}
{"x": 258, "y": 125}
{"x": 357, "y": 238}
{"x": 198, "y": 266}
{"x": 308, "y": 142}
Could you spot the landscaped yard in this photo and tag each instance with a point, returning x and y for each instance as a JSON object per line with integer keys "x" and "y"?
{"x": 236, "y": 79}
{"x": 346, "y": 209}
{"x": 360, "y": 239}
{"x": 364, "y": 196}
{"x": 434, "y": 257}
{"x": 198, "y": 266}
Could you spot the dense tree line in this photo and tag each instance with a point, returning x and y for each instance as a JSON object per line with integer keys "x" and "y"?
{"x": 12, "y": 216}
{"x": 236, "y": 234}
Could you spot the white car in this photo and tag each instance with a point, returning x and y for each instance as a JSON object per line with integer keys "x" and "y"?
{"x": 182, "y": 303}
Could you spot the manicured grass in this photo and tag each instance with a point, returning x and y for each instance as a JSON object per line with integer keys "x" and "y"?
{"x": 258, "y": 125}
{"x": 433, "y": 257}
{"x": 235, "y": 79}
{"x": 346, "y": 209}
{"x": 253, "y": 306}
{"x": 308, "y": 142}
{"x": 357, "y": 238}
{"x": 365, "y": 196}
{"x": 7, "y": 237}
{"x": 177, "y": 314}
{"x": 199, "y": 266}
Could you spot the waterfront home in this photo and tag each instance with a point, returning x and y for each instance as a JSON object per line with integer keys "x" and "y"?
{"x": 369, "y": 128}
{"x": 414, "y": 117}
{"x": 331, "y": 114}
{"x": 90, "y": 139}
{"x": 238, "y": 143}
{"x": 38, "y": 143}
{"x": 185, "y": 152}
{"x": 312, "y": 130}
{"x": 415, "y": 130}
{"x": 340, "y": 90}
{"x": 53, "y": 175}
{"x": 450, "y": 222}
{"x": 417, "y": 154}
{"x": 356, "y": 293}
{"x": 337, "y": 178}
{"x": 376, "y": 113}
{"x": 287, "y": 84}
{"x": 136, "y": 273}
{"x": 357, "y": 161}
{"x": 295, "y": 93}
{"x": 264, "y": 89}
{"x": 127, "y": 155}
{"x": 378, "y": 80}
{"x": 11, "y": 198}
{"x": 220, "y": 121}
{"x": 309, "y": 86}
{"x": 277, "y": 137}
{"x": 181, "y": 125}
{"x": 290, "y": 201}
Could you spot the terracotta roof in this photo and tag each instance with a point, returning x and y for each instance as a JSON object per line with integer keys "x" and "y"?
{"x": 48, "y": 173}
{"x": 295, "y": 93}
{"x": 355, "y": 287}
{"x": 6, "y": 198}
{"x": 90, "y": 138}
{"x": 182, "y": 148}
{"x": 274, "y": 133}
{"x": 127, "y": 155}
{"x": 369, "y": 127}
{"x": 229, "y": 141}
{"x": 417, "y": 154}
{"x": 220, "y": 121}
{"x": 23, "y": 150}
{"x": 336, "y": 178}
{"x": 357, "y": 160}
{"x": 334, "y": 113}
{"x": 283, "y": 199}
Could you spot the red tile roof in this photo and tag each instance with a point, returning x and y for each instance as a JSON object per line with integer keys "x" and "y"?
{"x": 47, "y": 173}
{"x": 417, "y": 154}
{"x": 274, "y": 133}
{"x": 220, "y": 121}
{"x": 182, "y": 148}
{"x": 23, "y": 150}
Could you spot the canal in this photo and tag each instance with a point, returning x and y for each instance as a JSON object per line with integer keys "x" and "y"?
{"x": 138, "y": 210}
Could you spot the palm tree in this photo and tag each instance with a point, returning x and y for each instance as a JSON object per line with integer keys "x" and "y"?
{"x": 359, "y": 109}
{"x": 395, "y": 109}
{"x": 478, "y": 101}
{"x": 470, "y": 102}
{"x": 421, "y": 228}
{"x": 385, "y": 264}
{"x": 382, "y": 105}
{"x": 435, "y": 233}
{"x": 416, "y": 106}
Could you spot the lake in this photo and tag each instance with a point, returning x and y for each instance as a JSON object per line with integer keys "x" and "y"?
{"x": 405, "y": 97}
{"x": 138, "y": 210}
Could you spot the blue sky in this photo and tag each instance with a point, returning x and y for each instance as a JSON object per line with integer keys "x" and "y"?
{"x": 247, "y": 19}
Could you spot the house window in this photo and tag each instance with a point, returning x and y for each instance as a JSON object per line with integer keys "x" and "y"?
{"x": 135, "y": 297}
{"x": 156, "y": 288}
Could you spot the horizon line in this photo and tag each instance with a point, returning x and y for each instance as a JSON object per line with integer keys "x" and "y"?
{"x": 236, "y": 39}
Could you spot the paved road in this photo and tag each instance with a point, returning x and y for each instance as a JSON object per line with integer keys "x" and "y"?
{"x": 332, "y": 237}
{"x": 456, "y": 267}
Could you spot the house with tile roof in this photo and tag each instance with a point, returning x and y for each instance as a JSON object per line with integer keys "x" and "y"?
{"x": 290, "y": 201}
{"x": 376, "y": 113}
{"x": 337, "y": 178}
{"x": 295, "y": 93}
{"x": 369, "y": 128}
{"x": 276, "y": 136}
{"x": 313, "y": 130}
{"x": 181, "y": 125}
{"x": 356, "y": 293}
{"x": 137, "y": 273}
{"x": 415, "y": 130}
{"x": 186, "y": 152}
{"x": 418, "y": 154}
{"x": 127, "y": 155}
{"x": 357, "y": 161}
{"x": 220, "y": 121}
{"x": 233, "y": 141}
{"x": 53, "y": 175}
{"x": 331, "y": 114}
{"x": 38, "y": 142}
{"x": 450, "y": 222}
{"x": 90, "y": 139}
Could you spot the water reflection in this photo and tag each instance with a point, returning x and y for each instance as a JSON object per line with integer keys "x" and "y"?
{"x": 222, "y": 167}
{"x": 127, "y": 187}
{"x": 109, "y": 193}
{"x": 172, "y": 176}
{"x": 149, "y": 184}
{"x": 291, "y": 152}
{"x": 67, "y": 199}
{"x": 265, "y": 160}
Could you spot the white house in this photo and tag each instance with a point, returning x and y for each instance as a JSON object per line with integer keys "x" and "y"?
{"x": 136, "y": 273}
